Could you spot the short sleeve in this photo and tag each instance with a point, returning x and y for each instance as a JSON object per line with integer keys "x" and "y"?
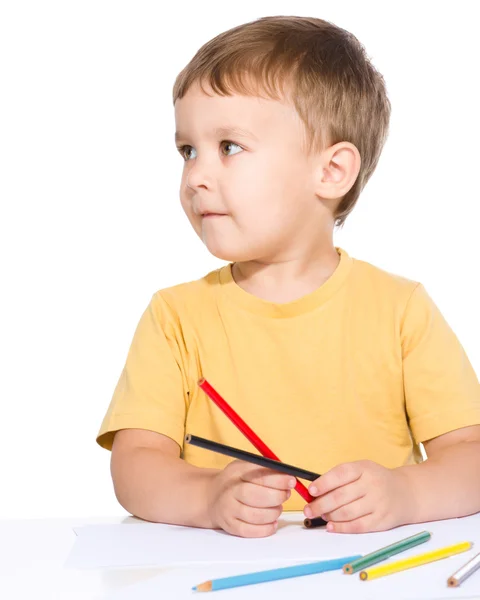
{"x": 442, "y": 392}
{"x": 150, "y": 393}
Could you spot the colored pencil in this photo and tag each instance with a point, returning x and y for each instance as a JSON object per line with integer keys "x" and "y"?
{"x": 314, "y": 522}
{"x": 415, "y": 561}
{"x": 273, "y": 574}
{"x": 386, "y": 552}
{"x": 250, "y": 457}
{"x": 469, "y": 569}
{"x": 247, "y": 431}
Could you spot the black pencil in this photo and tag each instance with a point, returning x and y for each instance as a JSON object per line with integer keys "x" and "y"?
{"x": 256, "y": 459}
{"x": 314, "y": 522}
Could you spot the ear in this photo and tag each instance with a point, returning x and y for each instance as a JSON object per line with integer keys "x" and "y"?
{"x": 338, "y": 170}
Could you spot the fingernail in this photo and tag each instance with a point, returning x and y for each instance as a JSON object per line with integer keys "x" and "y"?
{"x": 275, "y": 525}
{"x": 307, "y": 511}
{"x": 313, "y": 490}
{"x": 292, "y": 483}
{"x": 330, "y": 527}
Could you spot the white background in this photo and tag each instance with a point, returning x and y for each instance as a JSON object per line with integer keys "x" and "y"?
{"x": 91, "y": 225}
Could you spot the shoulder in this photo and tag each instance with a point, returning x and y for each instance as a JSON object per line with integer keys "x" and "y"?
{"x": 189, "y": 297}
{"x": 383, "y": 285}
{"x": 406, "y": 301}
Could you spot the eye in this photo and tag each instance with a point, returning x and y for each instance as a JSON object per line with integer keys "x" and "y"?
{"x": 227, "y": 143}
{"x": 184, "y": 149}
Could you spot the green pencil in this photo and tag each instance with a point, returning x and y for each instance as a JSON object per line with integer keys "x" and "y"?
{"x": 387, "y": 552}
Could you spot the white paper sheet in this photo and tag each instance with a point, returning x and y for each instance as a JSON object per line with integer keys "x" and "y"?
{"x": 151, "y": 544}
{"x": 426, "y": 582}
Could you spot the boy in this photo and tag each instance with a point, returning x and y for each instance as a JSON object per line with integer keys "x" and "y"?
{"x": 340, "y": 367}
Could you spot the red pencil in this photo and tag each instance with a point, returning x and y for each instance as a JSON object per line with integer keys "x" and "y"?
{"x": 247, "y": 432}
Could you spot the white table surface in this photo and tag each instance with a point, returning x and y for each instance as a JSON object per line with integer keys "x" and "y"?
{"x": 33, "y": 552}
{"x": 32, "y": 555}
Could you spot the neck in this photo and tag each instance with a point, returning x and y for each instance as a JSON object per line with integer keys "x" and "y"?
{"x": 288, "y": 279}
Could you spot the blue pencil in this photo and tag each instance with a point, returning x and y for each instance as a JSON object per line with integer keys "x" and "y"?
{"x": 274, "y": 574}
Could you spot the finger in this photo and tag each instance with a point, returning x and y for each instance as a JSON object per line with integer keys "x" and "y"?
{"x": 334, "y": 500}
{"x": 248, "y": 530}
{"x": 363, "y": 524}
{"x": 258, "y": 516}
{"x": 340, "y": 475}
{"x": 269, "y": 478}
{"x": 259, "y": 496}
{"x": 354, "y": 510}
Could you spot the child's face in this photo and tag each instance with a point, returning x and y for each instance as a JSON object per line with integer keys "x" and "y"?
{"x": 261, "y": 188}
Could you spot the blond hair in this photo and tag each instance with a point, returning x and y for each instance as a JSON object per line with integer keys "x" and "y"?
{"x": 323, "y": 69}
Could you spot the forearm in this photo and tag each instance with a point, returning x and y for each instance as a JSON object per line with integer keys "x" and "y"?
{"x": 161, "y": 488}
{"x": 445, "y": 486}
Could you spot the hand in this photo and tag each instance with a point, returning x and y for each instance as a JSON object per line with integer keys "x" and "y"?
{"x": 360, "y": 496}
{"x": 246, "y": 500}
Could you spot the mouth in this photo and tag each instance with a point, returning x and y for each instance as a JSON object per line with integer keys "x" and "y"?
{"x": 213, "y": 215}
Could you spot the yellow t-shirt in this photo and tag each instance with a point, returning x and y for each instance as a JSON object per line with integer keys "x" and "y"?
{"x": 364, "y": 367}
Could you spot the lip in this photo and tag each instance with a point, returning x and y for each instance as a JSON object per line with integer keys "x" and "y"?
{"x": 213, "y": 215}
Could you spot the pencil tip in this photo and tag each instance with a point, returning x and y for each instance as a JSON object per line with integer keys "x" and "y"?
{"x": 204, "y": 587}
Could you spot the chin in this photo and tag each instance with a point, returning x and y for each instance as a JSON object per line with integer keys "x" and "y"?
{"x": 229, "y": 253}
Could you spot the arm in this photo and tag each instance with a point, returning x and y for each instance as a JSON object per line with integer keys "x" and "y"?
{"x": 447, "y": 484}
{"x": 365, "y": 496}
{"x": 152, "y": 482}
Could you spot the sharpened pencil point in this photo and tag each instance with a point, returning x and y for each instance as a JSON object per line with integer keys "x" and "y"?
{"x": 204, "y": 587}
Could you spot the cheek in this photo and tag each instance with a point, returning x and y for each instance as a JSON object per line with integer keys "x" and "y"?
{"x": 251, "y": 187}
{"x": 185, "y": 201}
{"x": 263, "y": 195}
{"x": 185, "y": 204}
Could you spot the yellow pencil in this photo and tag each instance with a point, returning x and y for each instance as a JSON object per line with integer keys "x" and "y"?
{"x": 414, "y": 561}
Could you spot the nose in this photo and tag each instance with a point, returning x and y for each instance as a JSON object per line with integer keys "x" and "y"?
{"x": 200, "y": 174}
{"x": 195, "y": 179}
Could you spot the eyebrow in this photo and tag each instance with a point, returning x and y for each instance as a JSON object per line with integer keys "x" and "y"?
{"x": 224, "y": 131}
